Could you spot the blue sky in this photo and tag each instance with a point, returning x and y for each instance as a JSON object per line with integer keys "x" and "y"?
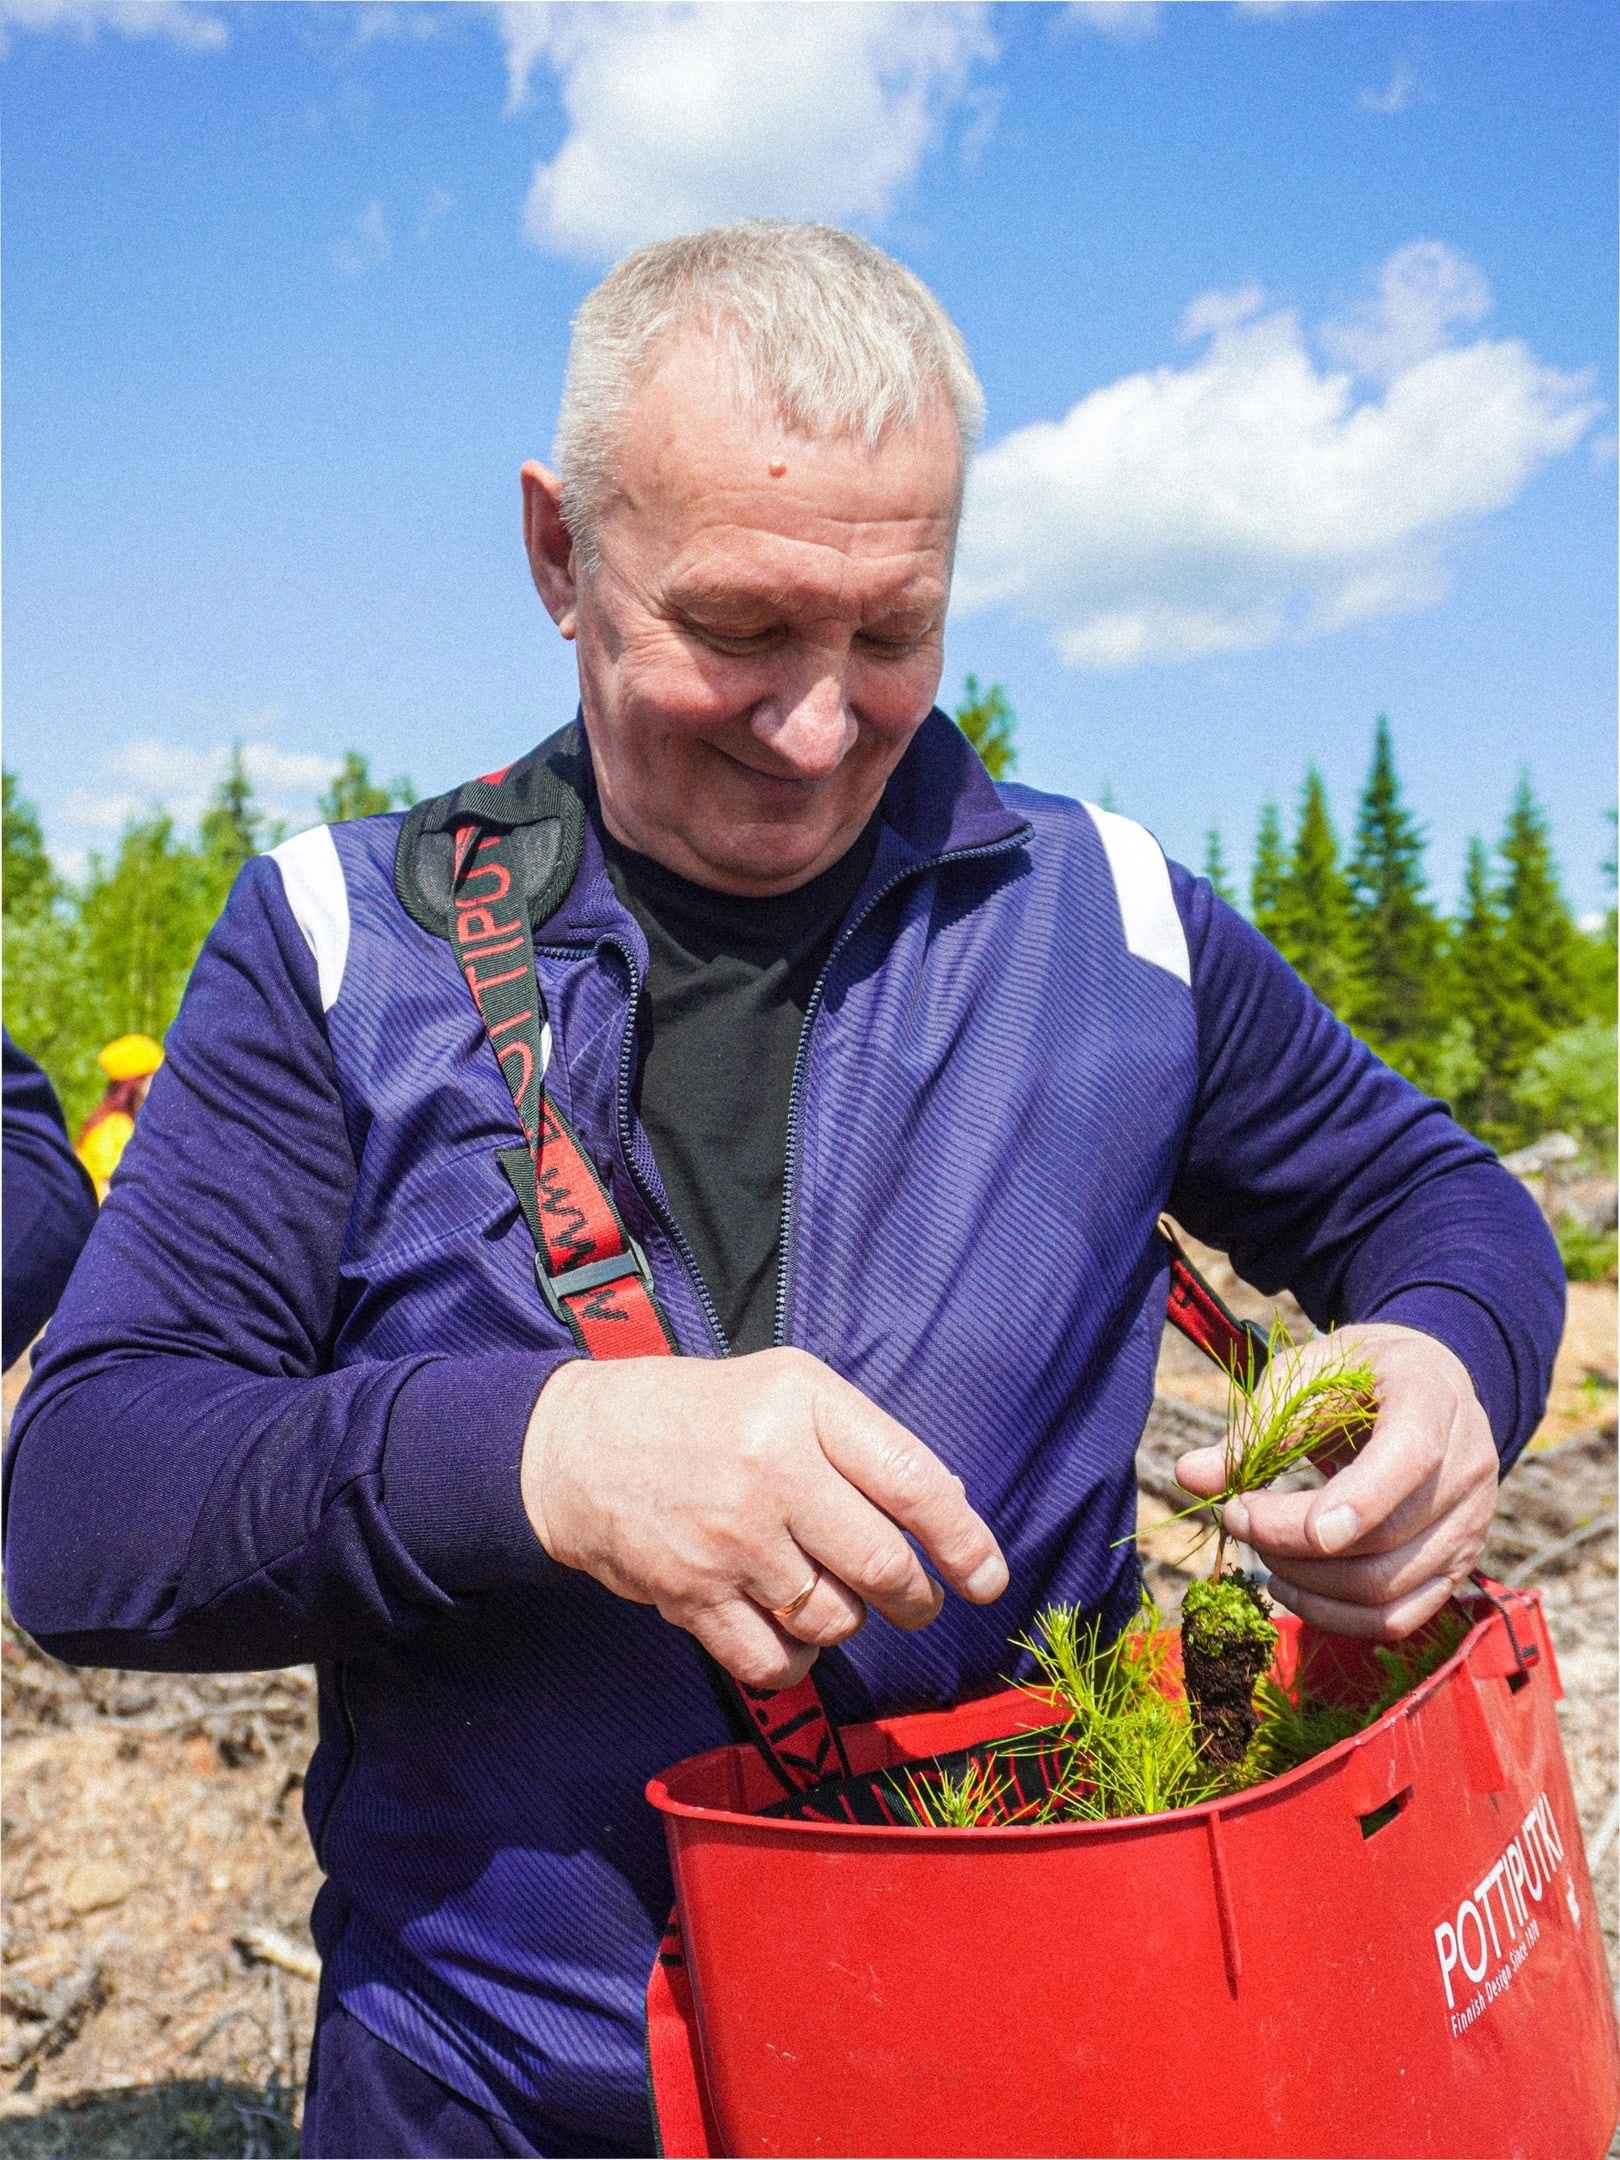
{"x": 1297, "y": 325}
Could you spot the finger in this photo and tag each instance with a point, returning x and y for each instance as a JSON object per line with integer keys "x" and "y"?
{"x": 1375, "y": 1578}
{"x": 1390, "y": 1622}
{"x": 862, "y": 1549}
{"x": 751, "y": 1646}
{"x": 830, "y": 1614}
{"x": 912, "y": 1486}
{"x": 1372, "y": 1505}
{"x": 1202, "y": 1471}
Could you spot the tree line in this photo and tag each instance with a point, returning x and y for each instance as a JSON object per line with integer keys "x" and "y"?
{"x": 1505, "y": 1009}
{"x": 111, "y": 955}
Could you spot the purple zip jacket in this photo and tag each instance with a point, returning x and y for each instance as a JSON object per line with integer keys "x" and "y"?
{"x": 280, "y": 1412}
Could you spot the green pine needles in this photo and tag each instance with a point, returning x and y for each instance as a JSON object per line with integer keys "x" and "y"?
{"x": 1295, "y": 1412}
{"x": 1132, "y": 1743}
{"x": 977, "y": 1798}
{"x": 1290, "y": 1729}
{"x": 1132, "y": 1747}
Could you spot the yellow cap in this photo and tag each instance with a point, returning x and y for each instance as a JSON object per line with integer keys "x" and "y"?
{"x": 102, "y": 1147}
{"x": 129, "y": 1057}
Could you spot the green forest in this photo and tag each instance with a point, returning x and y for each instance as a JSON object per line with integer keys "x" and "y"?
{"x": 1505, "y": 1008}
{"x": 111, "y": 955}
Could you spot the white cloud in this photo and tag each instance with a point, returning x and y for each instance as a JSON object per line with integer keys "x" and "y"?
{"x": 147, "y": 773}
{"x": 683, "y": 116}
{"x": 1423, "y": 292}
{"x": 1126, "y": 21}
{"x": 1396, "y": 97}
{"x": 195, "y": 28}
{"x": 1254, "y": 496}
{"x": 1213, "y": 311}
{"x": 365, "y": 246}
{"x": 380, "y": 22}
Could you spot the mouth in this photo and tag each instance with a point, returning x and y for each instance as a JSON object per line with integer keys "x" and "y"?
{"x": 786, "y": 788}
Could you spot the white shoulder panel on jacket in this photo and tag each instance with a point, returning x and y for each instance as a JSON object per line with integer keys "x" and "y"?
{"x": 1147, "y": 906}
{"x": 312, "y": 878}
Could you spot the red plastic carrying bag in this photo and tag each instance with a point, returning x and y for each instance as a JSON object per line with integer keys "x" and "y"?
{"x": 1392, "y": 1950}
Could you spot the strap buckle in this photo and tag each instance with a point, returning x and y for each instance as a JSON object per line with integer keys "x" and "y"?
{"x": 573, "y": 1282}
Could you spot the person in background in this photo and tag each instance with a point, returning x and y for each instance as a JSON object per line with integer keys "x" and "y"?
{"x": 129, "y": 1063}
{"x": 50, "y": 1206}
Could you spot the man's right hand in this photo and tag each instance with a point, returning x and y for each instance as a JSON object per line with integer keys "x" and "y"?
{"x": 716, "y": 1488}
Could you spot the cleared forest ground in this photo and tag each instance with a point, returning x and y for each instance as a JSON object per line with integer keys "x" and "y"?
{"x": 157, "y": 1991}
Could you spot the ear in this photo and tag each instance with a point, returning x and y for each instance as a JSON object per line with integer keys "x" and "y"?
{"x": 550, "y": 546}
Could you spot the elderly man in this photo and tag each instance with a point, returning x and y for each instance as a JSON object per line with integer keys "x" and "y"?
{"x": 869, "y": 1078}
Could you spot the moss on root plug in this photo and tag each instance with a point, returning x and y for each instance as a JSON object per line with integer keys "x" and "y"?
{"x": 1232, "y": 1610}
{"x": 1227, "y": 1639}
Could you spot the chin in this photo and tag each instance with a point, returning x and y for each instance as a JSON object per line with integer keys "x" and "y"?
{"x": 765, "y": 852}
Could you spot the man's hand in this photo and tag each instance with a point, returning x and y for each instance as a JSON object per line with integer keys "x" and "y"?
{"x": 1383, "y": 1544}
{"x": 717, "y": 1489}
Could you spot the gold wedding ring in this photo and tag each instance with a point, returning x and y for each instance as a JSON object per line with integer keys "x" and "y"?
{"x": 786, "y": 1612}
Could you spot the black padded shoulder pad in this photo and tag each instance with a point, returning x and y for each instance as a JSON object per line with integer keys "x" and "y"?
{"x": 540, "y": 801}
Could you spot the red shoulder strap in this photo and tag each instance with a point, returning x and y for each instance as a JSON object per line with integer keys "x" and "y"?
{"x": 1237, "y": 1346}
{"x": 591, "y": 1271}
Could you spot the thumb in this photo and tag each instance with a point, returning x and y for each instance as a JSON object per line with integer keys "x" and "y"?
{"x": 1389, "y": 1469}
{"x": 1202, "y": 1471}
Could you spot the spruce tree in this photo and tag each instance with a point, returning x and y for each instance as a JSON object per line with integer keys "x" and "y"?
{"x": 986, "y": 718}
{"x": 1314, "y": 926}
{"x": 354, "y": 794}
{"x": 45, "y": 1000}
{"x": 1539, "y": 959}
{"x": 1270, "y": 869}
{"x": 1215, "y": 867}
{"x": 1471, "y": 1044}
{"x": 233, "y": 826}
{"x": 1395, "y": 933}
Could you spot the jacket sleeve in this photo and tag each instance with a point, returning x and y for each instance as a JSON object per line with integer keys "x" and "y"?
{"x": 1316, "y": 1166}
{"x": 190, "y": 1485}
{"x": 49, "y": 1203}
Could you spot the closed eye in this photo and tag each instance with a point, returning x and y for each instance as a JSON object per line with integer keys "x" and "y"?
{"x": 742, "y": 642}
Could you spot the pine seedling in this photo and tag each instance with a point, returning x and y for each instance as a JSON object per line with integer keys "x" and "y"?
{"x": 1132, "y": 1749}
{"x": 976, "y": 1800}
{"x": 1290, "y": 1729}
{"x": 1285, "y": 1416}
{"x": 1144, "y": 1760}
{"x": 1095, "y": 1680}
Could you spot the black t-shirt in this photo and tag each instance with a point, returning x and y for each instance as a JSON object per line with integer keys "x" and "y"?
{"x": 727, "y": 985}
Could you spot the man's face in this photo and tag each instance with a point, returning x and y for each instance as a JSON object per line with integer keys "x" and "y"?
{"x": 763, "y": 633}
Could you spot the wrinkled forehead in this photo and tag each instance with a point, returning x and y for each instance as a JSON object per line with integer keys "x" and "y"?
{"x": 702, "y": 445}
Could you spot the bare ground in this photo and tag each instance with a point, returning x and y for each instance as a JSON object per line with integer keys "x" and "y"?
{"x": 154, "y": 1848}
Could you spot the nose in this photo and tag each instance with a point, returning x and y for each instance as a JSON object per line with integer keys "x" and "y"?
{"x": 808, "y": 724}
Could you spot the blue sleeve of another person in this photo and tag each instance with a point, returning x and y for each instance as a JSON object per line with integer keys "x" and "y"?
{"x": 190, "y": 1485}
{"x": 1317, "y": 1167}
{"x": 49, "y": 1203}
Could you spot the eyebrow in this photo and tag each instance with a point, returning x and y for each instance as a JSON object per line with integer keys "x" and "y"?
{"x": 713, "y": 604}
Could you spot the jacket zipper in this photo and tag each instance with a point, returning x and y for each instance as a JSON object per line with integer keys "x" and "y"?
{"x": 801, "y": 1056}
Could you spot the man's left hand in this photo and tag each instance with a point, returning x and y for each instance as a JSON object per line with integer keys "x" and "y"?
{"x": 1381, "y": 1546}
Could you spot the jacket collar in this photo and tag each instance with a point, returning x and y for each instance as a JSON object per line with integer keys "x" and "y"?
{"x": 939, "y": 802}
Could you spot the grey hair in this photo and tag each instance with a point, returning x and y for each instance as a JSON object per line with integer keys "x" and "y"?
{"x": 824, "y": 330}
